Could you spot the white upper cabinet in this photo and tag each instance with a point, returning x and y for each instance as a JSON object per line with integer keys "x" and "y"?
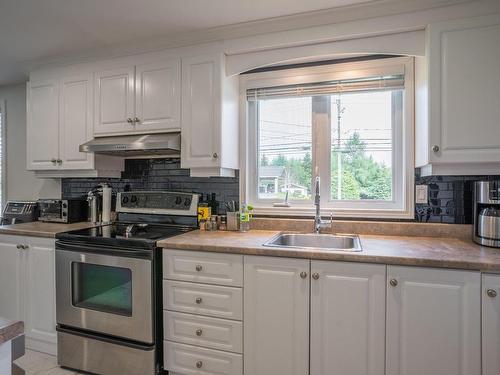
{"x": 144, "y": 98}
{"x": 209, "y": 117}
{"x": 433, "y": 322}
{"x": 276, "y": 311}
{"x": 59, "y": 115}
{"x": 491, "y": 324}
{"x": 114, "y": 101}
{"x": 158, "y": 96}
{"x": 457, "y": 98}
{"x": 43, "y": 124}
{"x": 347, "y": 318}
{"x": 75, "y": 126}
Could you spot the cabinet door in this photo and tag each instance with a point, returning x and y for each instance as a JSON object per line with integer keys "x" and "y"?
{"x": 201, "y": 111}
{"x": 75, "y": 125}
{"x": 347, "y": 318}
{"x": 433, "y": 322}
{"x": 464, "y": 76}
{"x": 42, "y": 125}
{"x": 276, "y": 316}
{"x": 158, "y": 96}
{"x": 491, "y": 324}
{"x": 114, "y": 101}
{"x": 10, "y": 280}
{"x": 40, "y": 301}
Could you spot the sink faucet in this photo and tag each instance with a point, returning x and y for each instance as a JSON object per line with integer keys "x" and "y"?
{"x": 318, "y": 223}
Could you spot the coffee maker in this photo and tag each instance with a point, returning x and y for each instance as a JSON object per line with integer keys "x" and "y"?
{"x": 487, "y": 213}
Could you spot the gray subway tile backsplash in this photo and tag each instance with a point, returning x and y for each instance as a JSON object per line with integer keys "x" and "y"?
{"x": 450, "y": 197}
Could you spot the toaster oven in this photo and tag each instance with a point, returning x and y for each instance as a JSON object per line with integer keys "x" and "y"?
{"x": 62, "y": 210}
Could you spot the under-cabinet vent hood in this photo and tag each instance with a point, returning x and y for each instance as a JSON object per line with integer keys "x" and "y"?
{"x": 168, "y": 144}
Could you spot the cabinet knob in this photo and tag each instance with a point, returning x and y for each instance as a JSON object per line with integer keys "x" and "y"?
{"x": 199, "y": 364}
{"x": 53, "y": 161}
{"x": 491, "y": 293}
{"x": 59, "y": 161}
{"x": 130, "y": 121}
{"x": 315, "y": 276}
{"x": 199, "y": 332}
{"x": 303, "y": 275}
{"x": 198, "y": 300}
{"x": 215, "y": 155}
{"x": 19, "y": 247}
{"x": 393, "y": 282}
{"x": 137, "y": 120}
{"x": 199, "y": 267}
{"x": 435, "y": 148}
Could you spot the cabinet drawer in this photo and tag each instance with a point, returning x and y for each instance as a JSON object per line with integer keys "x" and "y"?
{"x": 191, "y": 360}
{"x": 202, "y": 267}
{"x": 211, "y": 300}
{"x": 203, "y": 331}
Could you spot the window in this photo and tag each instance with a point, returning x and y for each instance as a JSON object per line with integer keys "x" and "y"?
{"x": 351, "y": 124}
{"x": 2, "y": 153}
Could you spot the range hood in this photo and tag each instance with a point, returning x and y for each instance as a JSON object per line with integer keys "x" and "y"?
{"x": 168, "y": 144}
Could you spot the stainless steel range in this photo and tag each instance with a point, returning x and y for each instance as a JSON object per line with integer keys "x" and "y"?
{"x": 108, "y": 285}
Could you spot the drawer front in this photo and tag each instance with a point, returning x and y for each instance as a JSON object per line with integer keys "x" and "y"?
{"x": 202, "y": 267}
{"x": 211, "y": 300}
{"x": 191, "y": 360}
{"x": 199, "y": 330}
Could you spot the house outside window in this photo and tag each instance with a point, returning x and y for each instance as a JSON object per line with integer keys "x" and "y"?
{"x": 351, "y": 124}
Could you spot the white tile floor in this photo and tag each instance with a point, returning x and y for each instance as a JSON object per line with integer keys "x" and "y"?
{"x": 35, "y": 363}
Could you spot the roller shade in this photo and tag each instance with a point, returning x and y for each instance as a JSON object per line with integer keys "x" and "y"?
{"x": 392, "y": 82}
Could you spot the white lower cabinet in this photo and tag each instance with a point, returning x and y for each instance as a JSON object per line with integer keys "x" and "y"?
{"x": 433, "y": 322}
{"x": 276, "y": 311}
{"x": 27, "y": 292}
{"x": 202, "y": 320}
{"x": 192, "y": 360}
{"x": 491, "y": 324}
{"x": 347, "y": 318}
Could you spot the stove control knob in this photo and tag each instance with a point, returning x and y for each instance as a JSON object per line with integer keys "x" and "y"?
{"x": 187, "y": 202}
{"x": 64, "y": 205}
{"x": 133, "y": 198}
{"x": 125, "y": 199}
{"x": 178, "y": 200}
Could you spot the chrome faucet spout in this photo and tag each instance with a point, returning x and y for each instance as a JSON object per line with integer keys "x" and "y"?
{"x": 318, "y": 223}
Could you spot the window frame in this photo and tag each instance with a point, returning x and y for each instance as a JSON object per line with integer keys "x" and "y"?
{"x": 3, "y": 153}
{"x": 402, "y": 204}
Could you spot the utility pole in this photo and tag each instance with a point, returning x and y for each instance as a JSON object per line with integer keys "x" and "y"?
{"x": 340, "y": 111}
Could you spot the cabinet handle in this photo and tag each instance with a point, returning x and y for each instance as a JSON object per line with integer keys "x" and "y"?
{"x": 215, "y": 155}
{"x": 19, "y": 247}
{"x": 137, "y": 120}
{"x": 435, "y": 148}
{"x": 393, "y": 282}
{"x": 315, "y": 276}
{"x": 199, "y": 267}
{"x": 303, "y": 275}
{"x": 59, "y": 161}
{"x": 198, "y": 300}
{"x": 199, "y": 364}
{"x": 130, "y": 121}
{"x": 491, "y": 293}
{"x": 199, "y": 332}
{"x": 53, "y": 161}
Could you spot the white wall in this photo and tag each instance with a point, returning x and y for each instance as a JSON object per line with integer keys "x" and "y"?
{"x": 21, "y": 184}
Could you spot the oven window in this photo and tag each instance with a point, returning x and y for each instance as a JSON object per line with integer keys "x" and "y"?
{"x": 102, "y": 288}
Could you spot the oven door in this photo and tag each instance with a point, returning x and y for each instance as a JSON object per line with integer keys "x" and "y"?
{"x": 108, "y": 291}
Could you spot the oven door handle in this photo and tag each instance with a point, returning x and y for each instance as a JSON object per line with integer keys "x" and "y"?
{"x": 104, "y": 250}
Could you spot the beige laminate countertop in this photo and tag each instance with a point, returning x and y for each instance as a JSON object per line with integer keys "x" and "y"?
{"x": 394, "y": 250}
{"x": 41, "y": 229}
{"x": 10, "y": 329}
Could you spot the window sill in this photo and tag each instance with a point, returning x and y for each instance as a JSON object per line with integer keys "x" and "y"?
{"x": 309, "y": 211}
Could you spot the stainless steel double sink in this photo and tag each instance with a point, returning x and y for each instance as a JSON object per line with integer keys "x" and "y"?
{"x": 319, "y": 241}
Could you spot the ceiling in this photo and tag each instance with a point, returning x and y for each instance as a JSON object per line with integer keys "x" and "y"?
{"x": 40, "y": 30}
